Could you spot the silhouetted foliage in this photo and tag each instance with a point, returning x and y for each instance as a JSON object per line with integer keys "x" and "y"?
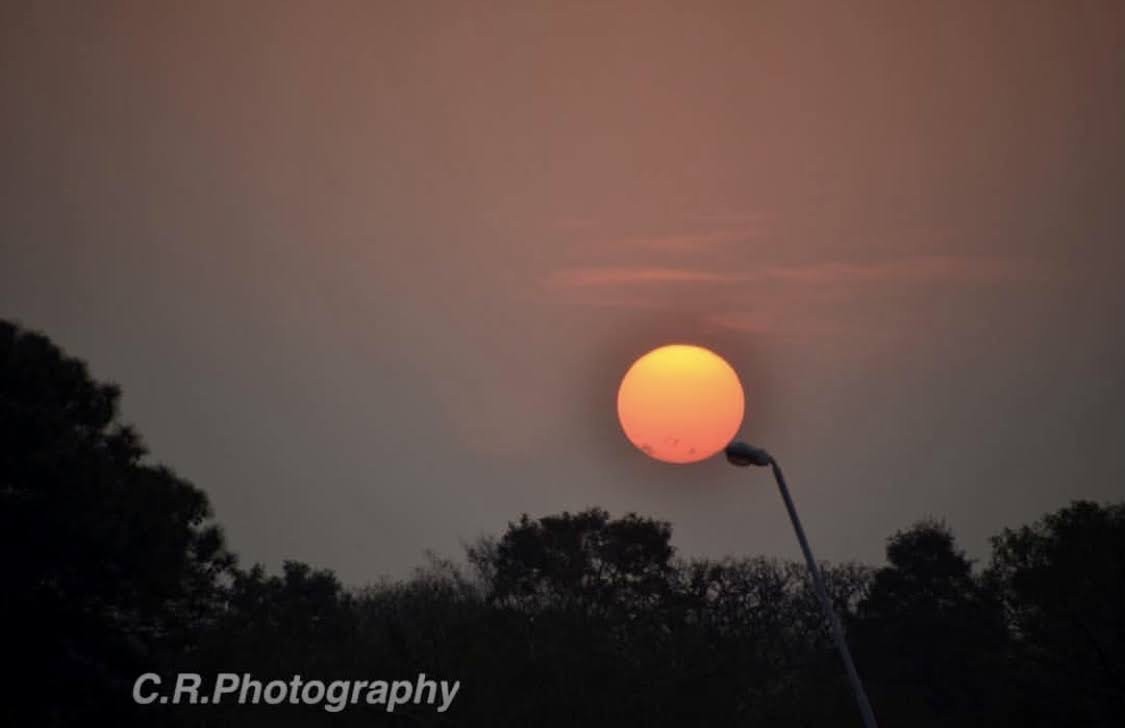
{"x": 1063, "y": 584}
{"x": 931, "y": 633}
{"x": 113, "y": 569}
{"x": 108, "y": 561}
{"x": 583, "y": 561}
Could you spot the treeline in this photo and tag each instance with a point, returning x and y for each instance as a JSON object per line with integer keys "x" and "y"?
{"x": 113, "y": 568}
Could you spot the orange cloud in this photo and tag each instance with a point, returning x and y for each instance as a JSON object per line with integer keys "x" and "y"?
{"x": 625, "y": 275}
{"x": 916, "y": 269}
{"x": 683, "y": 243}
{"x": 749, "y": 322}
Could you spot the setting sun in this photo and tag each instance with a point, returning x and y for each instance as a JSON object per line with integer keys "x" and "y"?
{"x": 680, "y": 403}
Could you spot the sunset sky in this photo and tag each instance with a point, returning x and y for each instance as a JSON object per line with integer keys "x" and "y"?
{"x": 369, "y": 273}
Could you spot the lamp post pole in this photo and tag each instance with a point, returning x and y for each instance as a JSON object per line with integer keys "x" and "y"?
{"x": 741, "y": 454}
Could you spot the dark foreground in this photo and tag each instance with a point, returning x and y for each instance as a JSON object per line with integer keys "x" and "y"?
{"x": 114, "y": 569}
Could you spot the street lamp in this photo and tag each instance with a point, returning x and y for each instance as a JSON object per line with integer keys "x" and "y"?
{"x": 742, "y": 455}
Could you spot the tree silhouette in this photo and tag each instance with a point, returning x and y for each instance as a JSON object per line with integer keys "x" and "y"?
{"x": 932, "y": 633}
{"x": 113, "y": 568}
{"x": 584, "y": 561}
{"x": 1063, "y": 583}
{"x": 108, "y": 560}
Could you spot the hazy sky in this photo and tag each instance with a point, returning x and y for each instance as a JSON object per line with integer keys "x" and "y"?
{"x": 369, "y": 273}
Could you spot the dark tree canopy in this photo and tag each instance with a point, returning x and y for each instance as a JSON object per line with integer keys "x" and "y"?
{"x": 579, "y": 561}
{"x": 1063, "y": 583}
{"x": 931, "y": 632}
{"x": 113, "y": 568}
{"x": 107, "y": 558}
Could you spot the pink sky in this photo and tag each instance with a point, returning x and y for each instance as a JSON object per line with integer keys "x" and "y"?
{"x": 369, "y": 273}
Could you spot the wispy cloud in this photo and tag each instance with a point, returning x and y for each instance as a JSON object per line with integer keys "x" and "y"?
{"x": 749, "y": 322}
{"x": 684, "y": 242}
{"x": 599, "y": 276}
{"x": 804, "y": 296}
{"x": 914, "y": 269}
{"x": 918, "y": 269}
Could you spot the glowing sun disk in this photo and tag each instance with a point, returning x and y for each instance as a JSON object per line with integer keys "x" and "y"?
{"x": 680, "y": 403}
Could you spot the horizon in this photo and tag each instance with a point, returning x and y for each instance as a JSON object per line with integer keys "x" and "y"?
{"x": 311, "y": 242}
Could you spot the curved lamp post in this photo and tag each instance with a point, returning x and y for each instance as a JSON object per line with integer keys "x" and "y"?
{"x": 742, "y": 455}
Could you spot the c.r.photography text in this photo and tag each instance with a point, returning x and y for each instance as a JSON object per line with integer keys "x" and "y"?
{"x": 190, "y": 688}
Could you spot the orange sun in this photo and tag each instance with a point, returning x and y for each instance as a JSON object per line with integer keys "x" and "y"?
{"x": 680, "y": 403}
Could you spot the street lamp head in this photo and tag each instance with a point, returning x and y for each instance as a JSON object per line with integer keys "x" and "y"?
{"x": 742, "y": 454}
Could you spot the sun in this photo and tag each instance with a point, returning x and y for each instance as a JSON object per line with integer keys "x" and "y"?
{"x": 680, "y": 403}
